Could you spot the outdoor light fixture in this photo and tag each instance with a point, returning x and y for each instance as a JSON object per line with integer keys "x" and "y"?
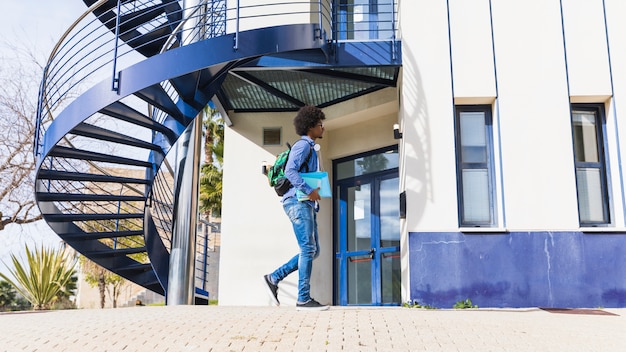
{"x": 396, "y": 131}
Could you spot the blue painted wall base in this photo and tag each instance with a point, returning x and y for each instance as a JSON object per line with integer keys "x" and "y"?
{"x": 518, "y": 269}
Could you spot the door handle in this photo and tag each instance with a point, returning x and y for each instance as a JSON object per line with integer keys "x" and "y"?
{"x": 368, "y": 257}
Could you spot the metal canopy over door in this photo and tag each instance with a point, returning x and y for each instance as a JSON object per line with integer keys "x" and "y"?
{"x": 367, "y": 229}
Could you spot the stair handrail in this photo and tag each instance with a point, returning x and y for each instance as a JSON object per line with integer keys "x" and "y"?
{"x": 43, "y": 98}
{"x": 89, "y": 58}
{"x": 180, "y": 25}
{"x": 88, "y": 53}
{"x": 91, "y": 8}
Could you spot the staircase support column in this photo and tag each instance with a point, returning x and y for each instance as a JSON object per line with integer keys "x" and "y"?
{"x": 181, "y": 278}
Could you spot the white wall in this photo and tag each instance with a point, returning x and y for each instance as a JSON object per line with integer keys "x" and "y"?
{"x": 256, "y": 234}
{"x": 472, "y": 59}
{"x": 587, "y": 54}
{"x": 427, "y": 117}
{"x": 616, "y": 111}
{"x": 537, "y": 159}
{"x": 538, "y": 58}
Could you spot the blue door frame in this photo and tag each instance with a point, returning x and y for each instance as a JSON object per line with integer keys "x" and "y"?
{"x": 368, "y": 251}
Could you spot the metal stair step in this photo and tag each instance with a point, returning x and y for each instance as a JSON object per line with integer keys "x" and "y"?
{"x": 137, "y": 268}
{"x": 205, "y": 83}
{"x": 81, "y": 236}
{"x": 187, "y": 87}
{"x": 107, "y": 15}
{"x": 150, "y": 43}
{"x": 157, "y": 96}
{"x": 153, "y": 285}
{"x": 90, "y": 217}
{"x": 124, "y": 112}
{"x": 65, "y": 152}
{"x": 115, "y": 252}
{"x": 135, "y": 19}
{"x": 79, "y": 176}
{"x": 51, "y": 197}
{"x": 91, "y": 131}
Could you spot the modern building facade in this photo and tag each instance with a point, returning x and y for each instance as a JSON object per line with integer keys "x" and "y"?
{"x": 509, "y": 169}
{"x": 474, "y": 146}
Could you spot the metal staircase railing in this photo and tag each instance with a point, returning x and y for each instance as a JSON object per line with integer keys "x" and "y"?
{"x": 100, "y": 152}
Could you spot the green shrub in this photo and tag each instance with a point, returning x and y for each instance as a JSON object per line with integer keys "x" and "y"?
{"x": 464, "y": 304}
{"x": 415, "y": 304}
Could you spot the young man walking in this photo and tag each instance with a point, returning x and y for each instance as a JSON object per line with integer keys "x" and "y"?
{"x": 302, "y": 213}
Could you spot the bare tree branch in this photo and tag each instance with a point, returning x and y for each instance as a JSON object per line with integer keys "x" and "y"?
{"x": 19, "y": 82}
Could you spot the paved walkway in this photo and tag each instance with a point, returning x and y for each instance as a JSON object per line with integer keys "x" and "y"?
{"x": 213, "y": 328}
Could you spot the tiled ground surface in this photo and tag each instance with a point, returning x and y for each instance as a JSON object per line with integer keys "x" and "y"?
{"x": 212, "y": 328}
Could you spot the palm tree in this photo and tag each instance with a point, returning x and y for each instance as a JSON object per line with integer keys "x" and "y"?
{"x": 213, "y": 137}
{"x": 210, "y": 190}
{"x": 48, "y": 273}
{"x": 211, "y": 170}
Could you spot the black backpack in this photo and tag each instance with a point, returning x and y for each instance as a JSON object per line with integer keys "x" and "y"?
{"x": 276, "y": 173}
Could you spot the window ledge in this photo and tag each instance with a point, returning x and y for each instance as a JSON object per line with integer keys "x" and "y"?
{"x": 602, "y": 229}
{"x": 594, "y": 229}
{"x": 483, "y": 229}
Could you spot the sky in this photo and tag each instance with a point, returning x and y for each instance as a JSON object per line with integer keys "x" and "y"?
{"x": 37, "y": 24}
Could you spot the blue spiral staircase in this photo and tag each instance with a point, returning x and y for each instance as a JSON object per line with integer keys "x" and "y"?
{"x": 130, "y": 76}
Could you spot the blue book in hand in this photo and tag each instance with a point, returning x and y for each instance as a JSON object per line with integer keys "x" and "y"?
{"x": 317, "y": 179}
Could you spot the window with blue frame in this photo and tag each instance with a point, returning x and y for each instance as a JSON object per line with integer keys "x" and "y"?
{"x": 590, "y": 162}
{"x": 475, "y": 170}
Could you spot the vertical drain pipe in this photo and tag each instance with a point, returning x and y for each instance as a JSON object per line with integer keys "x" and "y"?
{"x": 181, "y": 278}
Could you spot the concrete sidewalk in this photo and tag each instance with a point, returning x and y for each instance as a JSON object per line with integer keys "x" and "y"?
{"x": 213, "y": 328}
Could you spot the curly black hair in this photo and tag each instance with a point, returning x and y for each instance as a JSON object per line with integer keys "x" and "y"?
{"x": 308, "y": 117}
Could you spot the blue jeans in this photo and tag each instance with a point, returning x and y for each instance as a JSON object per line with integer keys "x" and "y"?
{"x": 304, "y": 220}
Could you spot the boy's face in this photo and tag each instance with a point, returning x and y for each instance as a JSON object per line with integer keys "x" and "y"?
{"x": 317, "y": 131}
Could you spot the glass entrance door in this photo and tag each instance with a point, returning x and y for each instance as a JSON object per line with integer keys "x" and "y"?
{"x": 367, "y": 229}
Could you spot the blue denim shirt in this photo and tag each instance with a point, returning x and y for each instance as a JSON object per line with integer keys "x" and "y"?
{"x": 297, "y": 156}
